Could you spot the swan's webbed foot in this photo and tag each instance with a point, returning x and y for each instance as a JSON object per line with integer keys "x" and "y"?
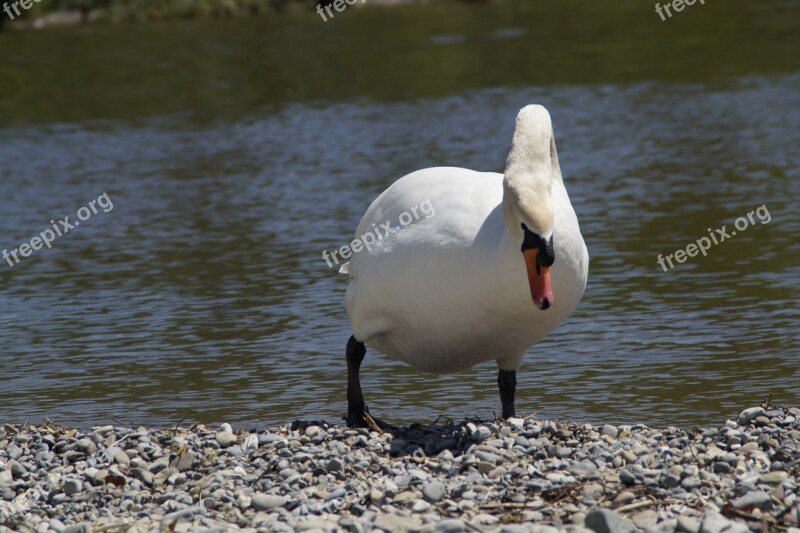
{"x": 362, "y": 419}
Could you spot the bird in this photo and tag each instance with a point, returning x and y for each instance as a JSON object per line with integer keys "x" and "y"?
{"x": 496, "y": 263}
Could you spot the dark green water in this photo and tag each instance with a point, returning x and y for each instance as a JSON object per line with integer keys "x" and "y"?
{"x": 234, "y": 152}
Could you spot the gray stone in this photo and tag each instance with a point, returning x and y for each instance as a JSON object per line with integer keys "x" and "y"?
{"x": 72, "y": 487}
{"x": 713, "y": 522}
{"x": 312, "y": 431}
{"x": 773, "y": 478}
{"x": 606, "y": 521}
{"x": 122, "y": 458}
{"x": 17, "y": 469}
{"x": 434, "y": 491}
{"x": 335, "y": 465}
{"x": 183, "y": 462}
{"x": 488, "y": 457}
{"x": 645, "y": 520}
{"x": 390, "y": 522}
{"x": 515, "y": 528}
{"x": 87, "y": 446}
{"x": 610, "y": 430}
{"x": 758, "y": 499}
{"x": 627, "y": 477}
{"x": 721, "y": 468}
{"x": 584, "y": 468}
{"x": 267, "y": 502}
{"x": 420, "y": 506}
{"x": 159, "y": 465}
{"x": 83, "y": 527}
{"x": 688, "y": 524}
{"x": 749, "y": 414}
{"x": 14, "y": 451}
{"x": 481, "y": 434}
{"x": 624, "y": 497}
{"x": 452, "y": 525}
{"x": 184, "y": 514}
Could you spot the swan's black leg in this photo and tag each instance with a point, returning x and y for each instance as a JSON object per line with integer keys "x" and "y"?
{"x": 357, "y": 412}
{"x": 507, "y": 381}
{"x": 355, "y": 400}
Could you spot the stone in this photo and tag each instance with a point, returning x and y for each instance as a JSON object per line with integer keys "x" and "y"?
{"x": 688, "y": 524}
{"x": 606, "y": 521}
{"x": 645, "y": 520}
{"x": 184, "y": 514}
{"x": 391, "y": 522}
{"x": 773, "y": 478}
{"x": 183, "y": 462}
{"x": 627, "y": 477}
{"x": 72, "y": 487}
{"x": 122, "y": 458}
{"x": 757, "y": 499}
{"x": 714, "y": 522}
{"x": 451, "y": 525}
{"x": 16, "y": 468}
{"x": 312, "y": 431}
{"x": 624, "y": 497}
{"x": 498, "y": 472}
{"x": 420, "y": 506}
{"x": 481, "y": 434}
{"x": 267, "y": 502}
{"x": 335, "y": 465}
{"x": 14, "y": 451}
{"x": 433, "y": 491}
{"x": 610, "y": 430}
{"x": 405, "y": 496}
{"x": 749, "y": 414}
{"x": 83, "y": 527}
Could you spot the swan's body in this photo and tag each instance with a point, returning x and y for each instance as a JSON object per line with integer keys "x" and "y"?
{"x": 450, "y": 290}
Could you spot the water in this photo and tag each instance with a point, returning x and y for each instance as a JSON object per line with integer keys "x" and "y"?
{"x": 235, "y": 152}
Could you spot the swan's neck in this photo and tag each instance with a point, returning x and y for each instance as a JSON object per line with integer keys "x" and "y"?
{"x": 527, "y": 199}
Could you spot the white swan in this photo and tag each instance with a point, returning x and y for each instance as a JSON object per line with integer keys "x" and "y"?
{"x": 499, "y": 266}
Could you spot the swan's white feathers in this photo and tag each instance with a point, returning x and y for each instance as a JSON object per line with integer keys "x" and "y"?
{"x": 450, "y": 291}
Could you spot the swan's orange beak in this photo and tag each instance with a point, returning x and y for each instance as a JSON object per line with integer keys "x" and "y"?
{"x": 539, "y": 280}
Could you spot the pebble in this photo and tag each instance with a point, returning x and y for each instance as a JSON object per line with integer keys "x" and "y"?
{"x": 267, "y": 502}
{"x": 610, "y": 430}
{"x": 755, "y": 498}
{"x": 72, "y": 487}
{"x": 688, "y": 524}
{"x": 433, "y": 491}
{"x": 314, "y": 476}
{"x": 607, "y": 521}
{"x": 624, "y": 497}
{"x": 773, "y": 478}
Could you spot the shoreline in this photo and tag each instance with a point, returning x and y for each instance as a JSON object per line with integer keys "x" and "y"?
{"x": 118, "y": 14}
{"x": 518, "y": 475}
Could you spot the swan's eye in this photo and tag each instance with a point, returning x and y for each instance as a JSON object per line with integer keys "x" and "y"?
{"x": 533, "y": 241}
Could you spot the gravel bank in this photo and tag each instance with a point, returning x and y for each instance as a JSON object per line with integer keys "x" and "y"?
{"x": 520, "y": 475}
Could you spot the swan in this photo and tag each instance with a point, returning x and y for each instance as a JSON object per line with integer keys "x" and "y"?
{"x": 499, "y": 264}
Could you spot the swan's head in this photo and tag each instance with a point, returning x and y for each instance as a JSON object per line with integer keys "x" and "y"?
{"x": 531, "y": 169}
{"x": 539, "y": 256}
